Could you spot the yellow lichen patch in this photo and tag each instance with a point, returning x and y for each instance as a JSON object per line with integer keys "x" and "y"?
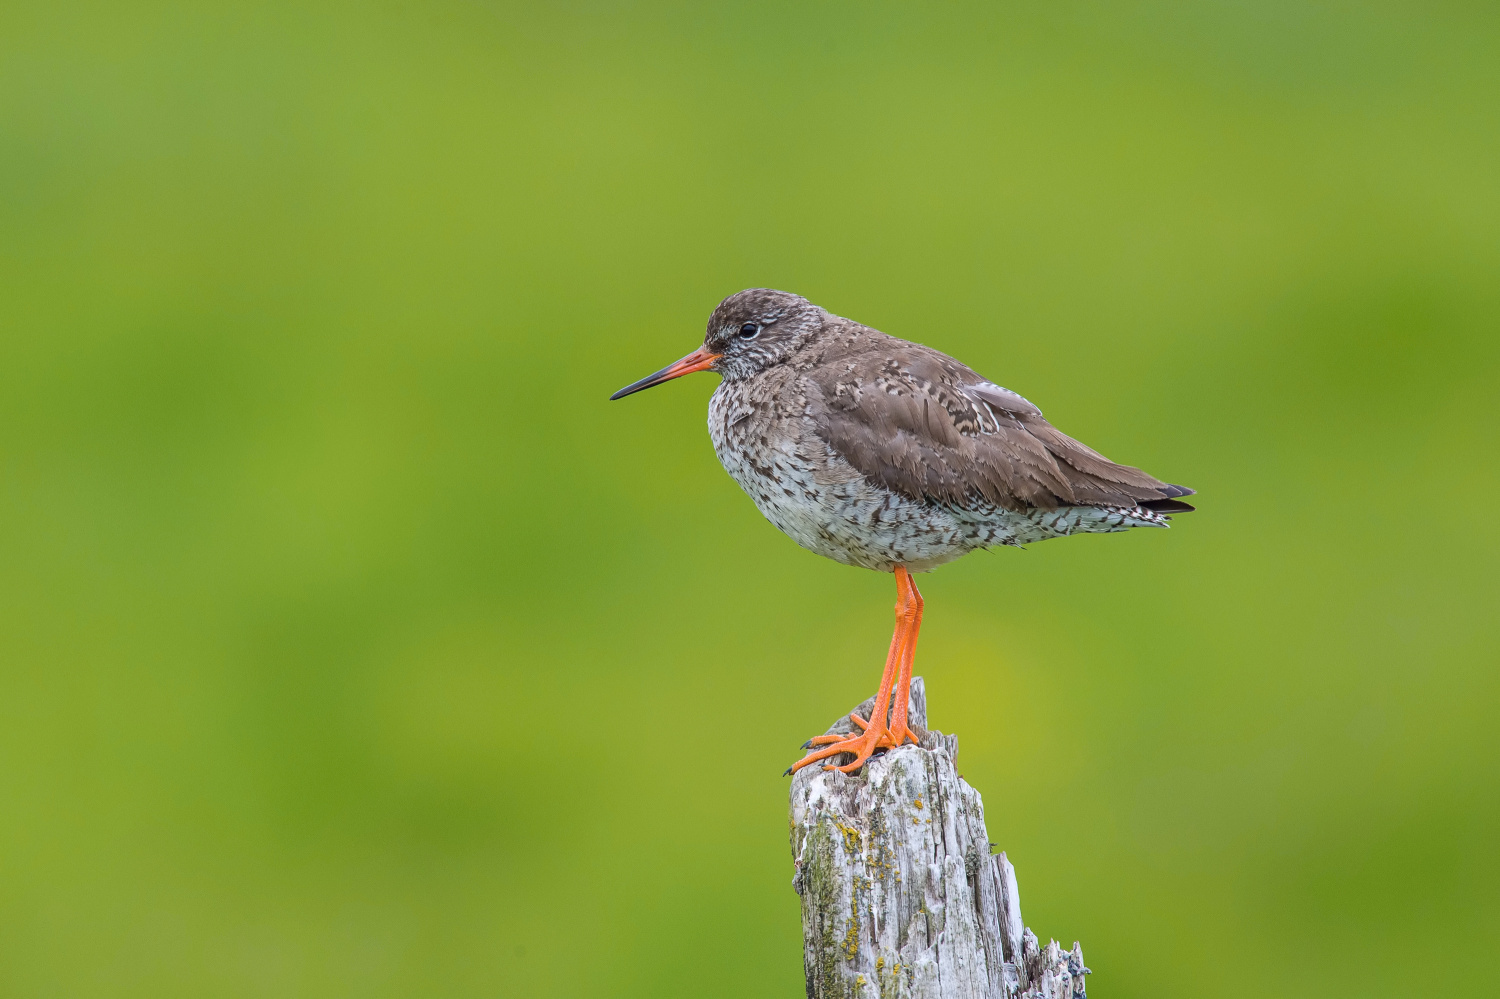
{"x": 918, "y": 802}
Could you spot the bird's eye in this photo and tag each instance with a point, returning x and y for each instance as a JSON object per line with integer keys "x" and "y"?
{"x": 749, "y": 331}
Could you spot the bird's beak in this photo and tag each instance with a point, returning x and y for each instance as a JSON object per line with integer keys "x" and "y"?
{"x": 699, "y": 360}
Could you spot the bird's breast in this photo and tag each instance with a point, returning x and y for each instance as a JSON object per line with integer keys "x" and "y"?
{"x": 817, "y": 498}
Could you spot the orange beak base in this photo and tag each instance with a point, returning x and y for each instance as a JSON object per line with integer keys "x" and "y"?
{"x": 699, "y": 360}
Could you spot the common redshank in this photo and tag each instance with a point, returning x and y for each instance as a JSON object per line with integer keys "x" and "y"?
{"x": 887, "y": 454}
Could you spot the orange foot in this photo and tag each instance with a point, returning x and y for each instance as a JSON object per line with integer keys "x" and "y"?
{"x": 863, "y": 746}
{"x": 874, "y": 732}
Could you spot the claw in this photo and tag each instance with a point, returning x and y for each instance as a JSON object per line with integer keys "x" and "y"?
{"x": 807, "y": 744}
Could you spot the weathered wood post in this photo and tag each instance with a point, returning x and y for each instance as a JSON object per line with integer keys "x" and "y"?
{"x": 901, "y": 897}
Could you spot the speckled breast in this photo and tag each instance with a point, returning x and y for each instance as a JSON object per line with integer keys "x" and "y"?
{"x": 817, "y": 498}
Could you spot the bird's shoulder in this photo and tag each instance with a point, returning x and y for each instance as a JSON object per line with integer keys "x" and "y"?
{"x": 896, "y": 384}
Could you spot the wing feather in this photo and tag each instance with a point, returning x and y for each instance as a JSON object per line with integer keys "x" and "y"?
{"x": 922, "y": 424}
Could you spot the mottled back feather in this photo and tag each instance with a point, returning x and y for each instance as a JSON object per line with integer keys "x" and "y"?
{"x": 918, "y": 422}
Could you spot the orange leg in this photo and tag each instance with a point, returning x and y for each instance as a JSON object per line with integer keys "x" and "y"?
{"x": 875, "y": 734}
{"x": 867, "y": 742}
{"x": 894, "y": 656}
{"x": 901, "y": 698}
{"x": 899, "y": 732}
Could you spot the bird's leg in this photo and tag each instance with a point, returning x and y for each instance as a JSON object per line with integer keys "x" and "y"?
{"x": 867, "y": 741}
{"x": 892, "y": 661}
{"x": 901, "y": 698}
{"x": 875, "y": 733}
{"x": 899, "y": 733}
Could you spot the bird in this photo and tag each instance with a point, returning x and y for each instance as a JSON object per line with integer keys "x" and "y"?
{"x": 889, "y": 455}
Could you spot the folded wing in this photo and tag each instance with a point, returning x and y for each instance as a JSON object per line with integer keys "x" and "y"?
{"x": 929, "y": 428}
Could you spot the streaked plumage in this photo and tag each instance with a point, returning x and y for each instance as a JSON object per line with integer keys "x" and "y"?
{"x": 887, "y": 454}
{"x": 877, "y": 452}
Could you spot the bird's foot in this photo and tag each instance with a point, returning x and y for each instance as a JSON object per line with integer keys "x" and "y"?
{"x": 896, "y": 735}
{"x": 870, "y": 738}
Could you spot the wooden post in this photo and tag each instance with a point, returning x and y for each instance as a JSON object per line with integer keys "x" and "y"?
{"x": 901, "y": 897}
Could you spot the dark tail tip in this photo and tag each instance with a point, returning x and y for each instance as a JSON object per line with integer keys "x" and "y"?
{"x": 1167, "y": 506}
{"x": 1170, "y": 503}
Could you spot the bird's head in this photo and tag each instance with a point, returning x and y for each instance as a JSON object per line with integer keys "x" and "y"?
{"x": 750, "y": 331}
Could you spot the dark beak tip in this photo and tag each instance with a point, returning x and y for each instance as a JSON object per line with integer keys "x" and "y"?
{"x": 698, "y": 360}
{"x": 632, "y": 389}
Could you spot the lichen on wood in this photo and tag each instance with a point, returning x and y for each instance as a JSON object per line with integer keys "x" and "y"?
{"x": 901, "y": 897}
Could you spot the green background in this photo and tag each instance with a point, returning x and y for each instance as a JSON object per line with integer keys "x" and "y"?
{"x": 352, "y": 644}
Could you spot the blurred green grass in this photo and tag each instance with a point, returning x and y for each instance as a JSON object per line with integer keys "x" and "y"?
{"x": 352, "y": 644}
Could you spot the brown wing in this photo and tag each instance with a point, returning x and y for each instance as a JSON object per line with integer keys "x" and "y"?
{"x": 920, "y": 423}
